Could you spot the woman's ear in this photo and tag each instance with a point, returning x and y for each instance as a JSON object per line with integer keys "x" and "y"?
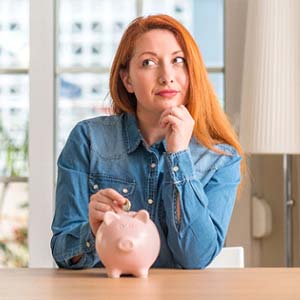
{"x": 126, "y": 81}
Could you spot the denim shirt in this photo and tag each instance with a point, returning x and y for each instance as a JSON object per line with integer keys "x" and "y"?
{"x": 110, "y": 152}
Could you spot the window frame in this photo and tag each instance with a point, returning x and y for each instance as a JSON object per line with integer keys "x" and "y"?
{"x": 42, "y": 124}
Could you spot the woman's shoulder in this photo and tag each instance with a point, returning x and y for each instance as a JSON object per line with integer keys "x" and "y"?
{"x": 226, "y": 149}
{"x": 90, "y": 128}
{"x": 220, "y": 149}
{"x": 207, "y": 159}
{"x": 106, "y": 120}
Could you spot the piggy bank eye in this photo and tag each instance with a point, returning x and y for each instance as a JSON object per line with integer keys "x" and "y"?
{"x": 124, "y": 226}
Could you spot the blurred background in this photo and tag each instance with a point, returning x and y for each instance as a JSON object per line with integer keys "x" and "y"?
{"x": 55, "y": 58}
{"x": 86, "y": 36}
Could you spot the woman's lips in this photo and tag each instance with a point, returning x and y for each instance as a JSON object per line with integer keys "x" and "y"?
{"x": 167, "y": 93}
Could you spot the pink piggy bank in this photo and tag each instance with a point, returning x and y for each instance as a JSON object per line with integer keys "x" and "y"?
{"x": 127, "y": 243}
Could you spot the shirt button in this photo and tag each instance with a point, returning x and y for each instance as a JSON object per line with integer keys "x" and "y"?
{"x": 95, "y": 187}
{"x": 88, "y": 244}
{"x": 153, "y": 165}
{"x": 125, "y": 191}
{"x": 175, "y": 169}
{"x": 150, "y": 201}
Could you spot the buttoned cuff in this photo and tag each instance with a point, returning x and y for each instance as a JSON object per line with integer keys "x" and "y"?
{"x": 179, "y": 166}
{"x": 87, "y": 239}
{"x": 87, "y": 247}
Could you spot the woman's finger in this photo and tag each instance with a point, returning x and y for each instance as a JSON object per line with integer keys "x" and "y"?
{"x": 113, "y": 196}
{"x": 102, "y": 207}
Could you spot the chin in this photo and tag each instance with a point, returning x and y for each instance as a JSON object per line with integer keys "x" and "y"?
{"x": 169, "y": 104}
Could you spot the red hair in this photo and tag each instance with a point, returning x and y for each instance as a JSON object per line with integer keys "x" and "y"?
{"x": 211, "y": 123}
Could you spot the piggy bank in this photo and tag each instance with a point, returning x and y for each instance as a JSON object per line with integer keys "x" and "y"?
{"x": 127, "y": 243}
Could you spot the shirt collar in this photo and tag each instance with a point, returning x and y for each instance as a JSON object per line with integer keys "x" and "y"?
{"x": 133, "y": 136}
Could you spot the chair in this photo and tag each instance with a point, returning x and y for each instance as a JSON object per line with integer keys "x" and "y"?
{"x": 229, "y": 257}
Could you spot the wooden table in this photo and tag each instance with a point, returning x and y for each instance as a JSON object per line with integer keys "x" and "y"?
{"x": 256, "y": 283}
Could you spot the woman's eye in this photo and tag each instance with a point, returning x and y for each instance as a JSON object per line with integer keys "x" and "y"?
{"x": 178, "y": 60}
{"x": 148, "y": 62}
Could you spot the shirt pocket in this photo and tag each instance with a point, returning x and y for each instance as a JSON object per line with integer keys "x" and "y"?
{"x": 123, "y": 186}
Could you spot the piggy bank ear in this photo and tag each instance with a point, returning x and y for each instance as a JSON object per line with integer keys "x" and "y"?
{"x": 142, "y": 215}
{"x": 109, "y": 217}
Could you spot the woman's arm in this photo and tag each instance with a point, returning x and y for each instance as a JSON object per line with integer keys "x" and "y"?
{"x": 72, "y": 236}
{"x": 205, "y": 211}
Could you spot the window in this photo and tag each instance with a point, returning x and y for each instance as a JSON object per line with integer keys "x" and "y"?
{"x": 88, "y": 34}
{"x": 14, "y": 110}
{"x": 209, "y": 34}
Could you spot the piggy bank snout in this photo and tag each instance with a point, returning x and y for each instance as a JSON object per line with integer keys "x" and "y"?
{"x": 125, "y": 244}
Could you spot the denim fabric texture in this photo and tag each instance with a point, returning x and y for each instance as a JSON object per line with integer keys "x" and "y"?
{"x": 110, "y": 152}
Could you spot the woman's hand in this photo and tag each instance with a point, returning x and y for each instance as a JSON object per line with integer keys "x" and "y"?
{"x": 179, "y": 126}
{"x": 101, "y": 202}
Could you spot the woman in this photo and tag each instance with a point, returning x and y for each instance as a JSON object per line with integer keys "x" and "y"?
{"x": 169, "y": 149}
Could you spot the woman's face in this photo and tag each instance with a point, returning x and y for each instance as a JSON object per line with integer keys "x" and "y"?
{"x": 157, "y": 72}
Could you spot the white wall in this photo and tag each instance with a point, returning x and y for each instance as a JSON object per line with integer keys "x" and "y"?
{"x": 265, "y": 177}
{"x": 235, "y": 27}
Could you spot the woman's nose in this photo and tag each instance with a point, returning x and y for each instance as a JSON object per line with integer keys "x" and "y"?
{"x": 165, "y": 76}
{"x": 164, "y": 81}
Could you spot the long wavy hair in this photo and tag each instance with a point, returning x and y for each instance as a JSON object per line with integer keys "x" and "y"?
{"x": 211, "y": 123}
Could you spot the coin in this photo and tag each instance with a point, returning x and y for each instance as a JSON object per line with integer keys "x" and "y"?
{"x": 127, "y": 205}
